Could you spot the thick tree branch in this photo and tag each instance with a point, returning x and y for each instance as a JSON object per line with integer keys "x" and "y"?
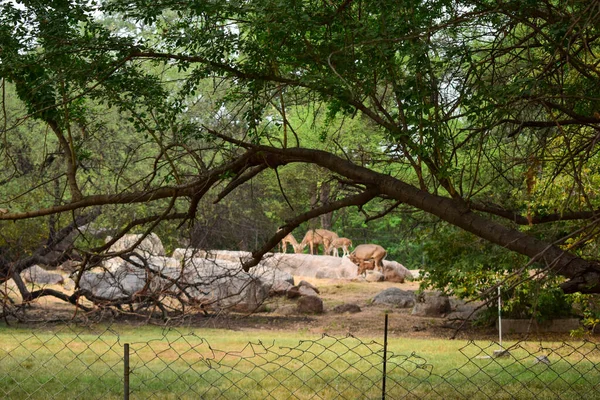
{"x": 519, "y": 219}
{"x": 456, "y": 213}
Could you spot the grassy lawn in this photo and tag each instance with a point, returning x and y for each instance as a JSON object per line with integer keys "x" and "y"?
{"x": 73, "y": 362}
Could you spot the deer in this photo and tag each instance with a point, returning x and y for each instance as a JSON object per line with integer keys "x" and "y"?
{"x": 342, "y": 242}
{"x": 315, "y": 237}
{"x": 290, "y": 239}
{"x": 365, "y": 265}
{"x": 364, "y": 252}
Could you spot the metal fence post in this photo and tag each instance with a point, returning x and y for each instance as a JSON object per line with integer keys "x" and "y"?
{"x": 126, "y": 371}
{"x": 385, "y": 342}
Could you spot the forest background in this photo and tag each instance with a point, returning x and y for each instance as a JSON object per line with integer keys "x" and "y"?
{"x": 461, "y": 136}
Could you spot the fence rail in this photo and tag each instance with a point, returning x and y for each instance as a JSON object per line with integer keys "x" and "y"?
{"x": 70, "y": 362}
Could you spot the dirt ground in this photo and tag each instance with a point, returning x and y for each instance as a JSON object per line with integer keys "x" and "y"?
{"x": 279, "y": 314}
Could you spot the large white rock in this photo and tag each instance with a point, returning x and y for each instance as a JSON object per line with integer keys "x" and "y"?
{"x": 324, "y": 267}
{"x": 150, "y": 246}
{"x": 39, "y": 276}
{"x": 227, "y": 255}
{"x": 215, "y": 283}
{"x": 396, "y": 272}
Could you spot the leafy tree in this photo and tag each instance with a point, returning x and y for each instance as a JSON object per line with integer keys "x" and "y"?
{"x": 482, "y": 114}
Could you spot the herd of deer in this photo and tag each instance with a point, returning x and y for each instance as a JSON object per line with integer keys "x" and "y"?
{"x": 366, "y": 256}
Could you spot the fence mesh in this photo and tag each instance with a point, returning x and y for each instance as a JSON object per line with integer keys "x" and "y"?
{"x": 70, "y": 362}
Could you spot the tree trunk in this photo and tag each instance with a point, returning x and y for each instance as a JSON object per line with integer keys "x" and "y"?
{"x": 324, "y": 193}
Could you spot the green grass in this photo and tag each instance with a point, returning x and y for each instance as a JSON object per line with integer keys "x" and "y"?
{"x": 72, "y": 362}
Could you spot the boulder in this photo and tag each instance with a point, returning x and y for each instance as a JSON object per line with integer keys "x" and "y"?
{"x": 69, "y": 266}
{"x": 187, "y": 253}
{"x": 270, "y": 276}
{"x": 461, "y": 310}
{"x": 106, "y": 286}
{"x": 314, "y": 266}
{"x": 310, "y": 305}
{"x": 298, "y": 291}
{"x": 39, "y": 276}
{"x": 431, "y": 304}
{"x": 293, "y": 292}
{"x": 395, "y": 272}
{"x": 308, "y": 285}
{"x": 218, "y": 284}
{"x": 69, "y": 284}
{"x": 280, "y": 288}
{"x": 225, "y": 255}
{"x": 151, "y": 245}
{"x": 395, "y": 297}
{"x": 347, "y": 308}
{"x": 307, "y": 291}
{"x": 373, "y": 276}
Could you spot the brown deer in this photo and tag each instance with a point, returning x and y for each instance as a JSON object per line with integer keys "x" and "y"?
{"x": 315, "y": 237}
{"x": 290, "y": 239}
{"x": 343, "y": 243}
{"x": 365, "y": 265}
{"x": 364, "y": 252}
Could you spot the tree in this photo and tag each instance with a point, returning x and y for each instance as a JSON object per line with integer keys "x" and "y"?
{"x": 477, "y": 109}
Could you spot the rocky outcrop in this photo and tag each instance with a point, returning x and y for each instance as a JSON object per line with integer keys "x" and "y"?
{"x": 39, "y": 276}
{"x": 225, "y": 255}
{"x": 322, "y": 267}
{"x": 214, "y": 283}
{"x": 395, "y": 272}
{"x": 431, "y": 304}
{"x": 374, "y": 276}
{"x": 151, "y": 245}
{"x": 310, "y": 305}
{"x": 396, "y": 298}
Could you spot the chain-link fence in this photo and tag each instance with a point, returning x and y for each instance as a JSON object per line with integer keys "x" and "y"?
{"x": 71, "y": 362}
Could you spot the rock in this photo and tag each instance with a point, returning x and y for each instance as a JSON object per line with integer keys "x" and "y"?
{"x": 308, "y": 285}
{"x": 225, "y": 255}
{"x": 39, "y": 276}
{"x": 113, "y": 264}
{"x": 347, "y": 308}
{"x": 150, "y": 246}
{"x": 395, "y": 297}
{"x": 69, "y": 284}
{"x": 187, "y": 253}
{"x": 395, "y": 272}
{"x": 69, "y": 266}
{"x": 461, "y": 310}
{"x": 310, "y": 305}
{"x": 373, "y": 276}
{"x": 293, "y": 292}
{"x": 280, "y": 288}
{"x": 270, "y": 276}
{"x": 431, "y": 304}
{"x": 297, "y": 291}
{"x": 322, "y": 267}
{"x": 307, "y": 291}
{"x": 106, "y": 286}
{"x": 213, "y": 283}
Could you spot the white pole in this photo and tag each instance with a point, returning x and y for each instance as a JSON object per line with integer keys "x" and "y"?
{"x": 500, "y": 317}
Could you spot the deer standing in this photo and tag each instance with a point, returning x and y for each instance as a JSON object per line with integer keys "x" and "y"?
{"x": 290, "y": 239}
{"x": 364, "y": 252}
{"x": 343, "y": 243}
{"x": 315, "y": 237}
